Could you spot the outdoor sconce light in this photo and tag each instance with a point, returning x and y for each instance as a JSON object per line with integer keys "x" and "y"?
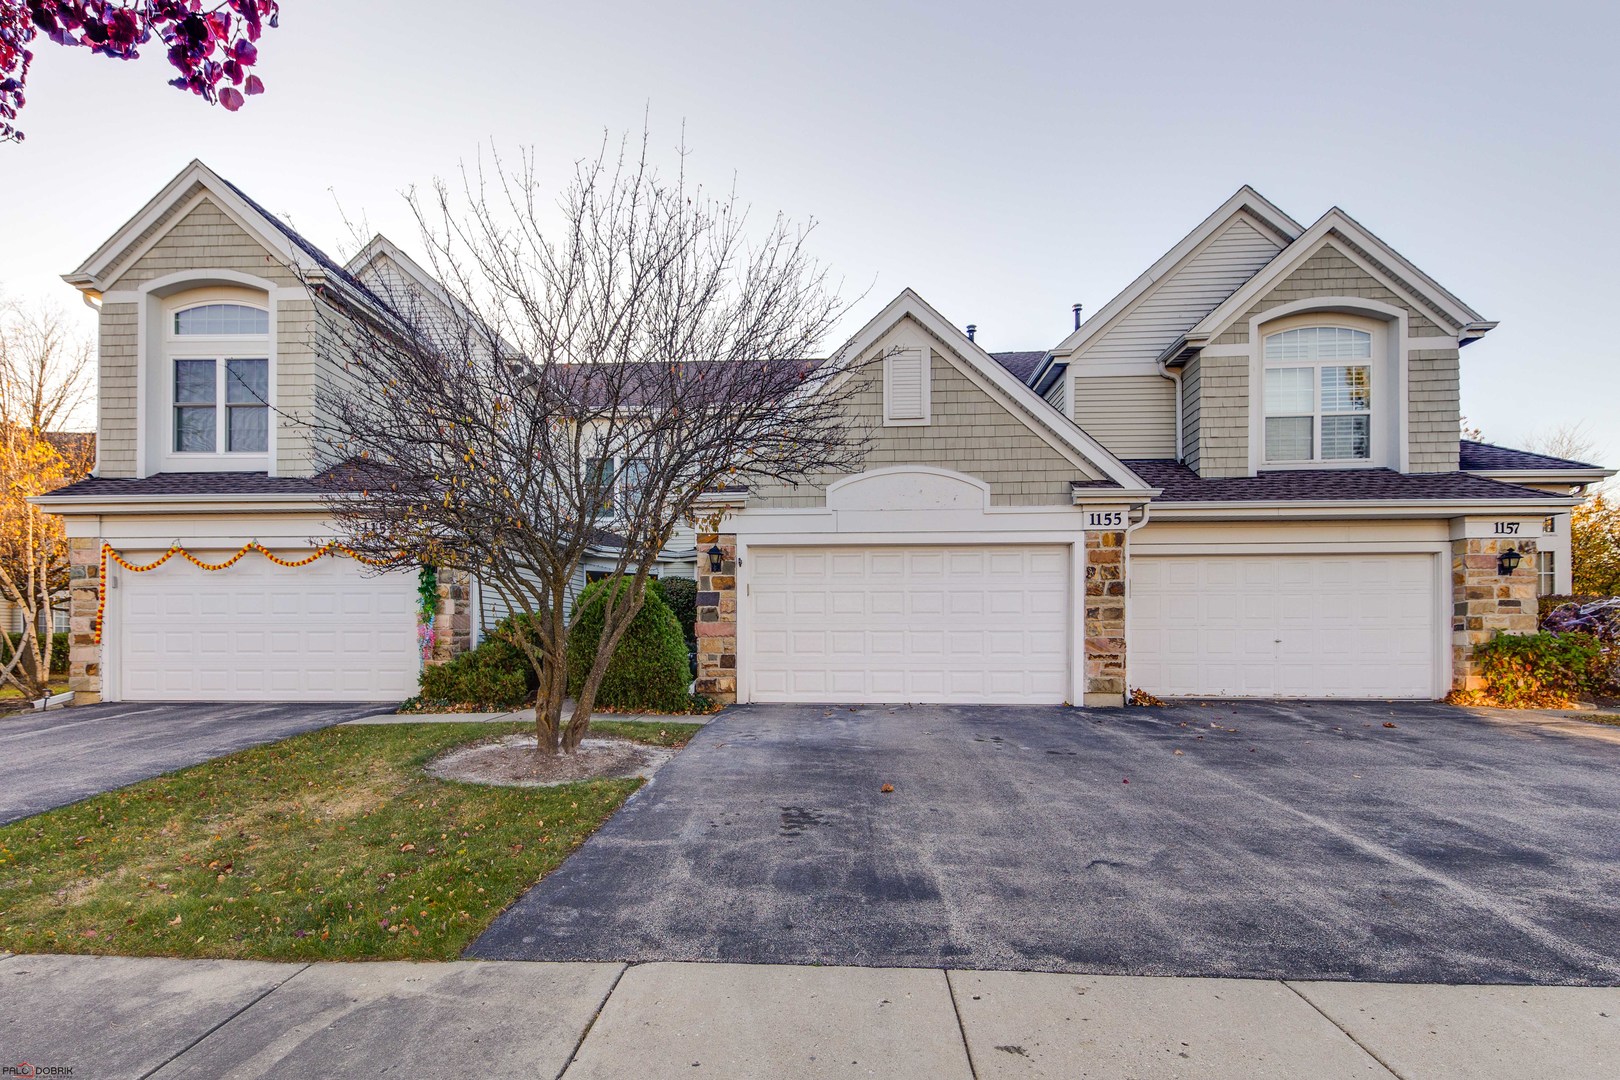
{"x": 1508, "y": 561}
{"x": 716, "y": 555}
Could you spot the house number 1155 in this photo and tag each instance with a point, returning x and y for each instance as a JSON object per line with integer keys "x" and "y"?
{"x": 1104, "y": 518}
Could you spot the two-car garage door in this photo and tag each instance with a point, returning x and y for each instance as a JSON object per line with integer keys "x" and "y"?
{"x": 328, "y": 631}
{"x": 909, "y": 624}
{"x": 1345, "y": 626}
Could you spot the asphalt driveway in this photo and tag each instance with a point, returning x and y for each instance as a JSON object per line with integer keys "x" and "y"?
{"x": 1279, "y": 841}
{"x": 50, "y": 759}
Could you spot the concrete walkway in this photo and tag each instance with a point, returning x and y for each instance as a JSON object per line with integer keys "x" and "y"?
{"x": 114, "y": 1017}
{"x": 526, "y": 716}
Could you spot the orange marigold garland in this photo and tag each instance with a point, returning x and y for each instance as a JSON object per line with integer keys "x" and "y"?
{"x": 175, "y": 549}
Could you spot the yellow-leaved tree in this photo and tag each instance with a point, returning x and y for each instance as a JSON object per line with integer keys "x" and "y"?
{"x": 1594, "y": 541}
{"x": 45, "y": 378}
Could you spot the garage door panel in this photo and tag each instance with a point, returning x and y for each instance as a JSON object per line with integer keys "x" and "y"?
{"x": 897, "y": 638}
{"x": 255, "y": 631}
{"x": 1285, "y": 625}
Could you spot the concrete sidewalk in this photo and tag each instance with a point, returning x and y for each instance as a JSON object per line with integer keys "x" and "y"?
{"x": 108, "y": 1017}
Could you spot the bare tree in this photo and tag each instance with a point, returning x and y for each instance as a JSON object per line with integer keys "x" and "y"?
{"x": 45, "y": 378}
{"x": 1572, "y": 442}
{"x": 601, "y": 372}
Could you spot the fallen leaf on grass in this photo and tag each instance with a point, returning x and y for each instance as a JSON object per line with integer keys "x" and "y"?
{"x": 887, "y": 789}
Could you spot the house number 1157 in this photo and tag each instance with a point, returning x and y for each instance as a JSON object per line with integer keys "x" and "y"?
{"x": 1507, "y": 528}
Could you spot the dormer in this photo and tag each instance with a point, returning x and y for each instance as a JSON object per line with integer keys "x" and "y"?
{"x": 1338, "y": 354}
{"x": 205, "y": 358}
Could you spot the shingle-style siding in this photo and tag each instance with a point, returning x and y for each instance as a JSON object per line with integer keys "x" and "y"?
{"x": 1221, "y": 446}
{"x": 969, "y": 432}
{"x": 1434, "y": 418}
{"x": 1184, "y": 296}
{"x": 205, "y": 237}
{"x": 1133, "y": 416}
{"x": 1190, "y": 418}
{"x": 295, "y": 385}
{"x": 116, "y": 388}
{"x": 1330, "y": 272}
{"x": 1223, "y": 416}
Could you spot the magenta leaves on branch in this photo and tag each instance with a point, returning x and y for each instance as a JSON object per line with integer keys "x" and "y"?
{"x": 211, "y": 45}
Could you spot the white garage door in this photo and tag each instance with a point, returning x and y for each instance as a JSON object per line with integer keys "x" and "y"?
{"x": 903, "y": 624}
{"x": 260, "y": 632}
{"x": 1351, "y": 626}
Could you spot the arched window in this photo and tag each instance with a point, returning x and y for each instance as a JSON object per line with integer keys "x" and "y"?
{"x": 1318, "y": 395}
{"x": 218, "y": 320}
{"x": 218, "y": 356}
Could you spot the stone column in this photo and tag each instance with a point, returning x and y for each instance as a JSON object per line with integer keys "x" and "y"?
{"x": 1104, "y": 618}
{"x": 452, "y": 623}
{"x": 717, "y": 619}
{"x": 84, "y": 596}
{"x": 1485, "y": 602}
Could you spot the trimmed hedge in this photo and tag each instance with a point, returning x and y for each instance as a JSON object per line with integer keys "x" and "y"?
{"x": 1540, "y": 670}
{"x": 59, "y": 650}
{"x": 680, "y": 593}
{"x": 648, "y": 670}
{"x": 496, "y": 675}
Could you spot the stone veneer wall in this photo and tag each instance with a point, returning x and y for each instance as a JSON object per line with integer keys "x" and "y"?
{"x": 717, "y": 619}
{"x": 1484, "y": 601}
{"x": 1104, "y": 618}
{"x": 84, "y": 655}
{"x": 452, "y": 623}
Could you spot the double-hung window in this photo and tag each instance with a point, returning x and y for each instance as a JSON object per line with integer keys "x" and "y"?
{"x": 1318, "y": 395}
{"x": 221, "y": 375}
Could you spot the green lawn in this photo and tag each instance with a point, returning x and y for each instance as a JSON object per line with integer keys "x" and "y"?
{"x": 331, "y": 845}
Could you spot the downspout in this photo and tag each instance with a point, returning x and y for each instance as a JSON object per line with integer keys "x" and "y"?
{"x": 1125, "y": 572}
{"x": 1164, "y": 369}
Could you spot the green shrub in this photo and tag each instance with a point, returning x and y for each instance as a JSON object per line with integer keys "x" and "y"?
{"x": 680, "y": 593}
{"x": 648, "y": 670}
{"x": 496, "y": 675}
{"x": 59, "y": 650}
{"x": 1542, "y": 669}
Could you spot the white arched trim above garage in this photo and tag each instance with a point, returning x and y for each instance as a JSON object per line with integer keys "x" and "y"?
{"x": 908, "y": 586}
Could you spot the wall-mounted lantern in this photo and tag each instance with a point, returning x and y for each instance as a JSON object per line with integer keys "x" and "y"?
{"x": 716, "y": 557}
{"x": 1508, "y": 561}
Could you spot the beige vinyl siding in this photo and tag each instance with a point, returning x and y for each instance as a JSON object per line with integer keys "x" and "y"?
{"x": 1057, "y": 395}
{"x": 1433, "y": 410}
{"x": 969, "y": 432}
{"x": 205, "y": 237}
{"x": 1185, "y": 295}
{"x": 1133, "y": 416}
{"x": 1190, "y": 417}
{"x": 118, "y": 364}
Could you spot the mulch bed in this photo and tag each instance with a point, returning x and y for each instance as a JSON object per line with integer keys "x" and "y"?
{"x": 514, "y": 761}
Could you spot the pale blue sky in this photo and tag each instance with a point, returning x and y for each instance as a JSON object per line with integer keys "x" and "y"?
{"x": 1003, "y": 160}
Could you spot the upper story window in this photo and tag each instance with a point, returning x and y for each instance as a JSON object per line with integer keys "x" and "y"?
{"x": 221, "y": 320}
{"x": 1318, "y": 395}
{"x": 218, "y": 357}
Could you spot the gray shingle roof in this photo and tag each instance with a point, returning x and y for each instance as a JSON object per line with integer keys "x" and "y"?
{"x": 1486, "y": 457}
{"x": 1181, "y": 484}
{"x": 1021, "y": 365}
{"x": 191, "y": 483}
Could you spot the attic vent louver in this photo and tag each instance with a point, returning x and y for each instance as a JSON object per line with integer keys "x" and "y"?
{"x": 905, "y": 387}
